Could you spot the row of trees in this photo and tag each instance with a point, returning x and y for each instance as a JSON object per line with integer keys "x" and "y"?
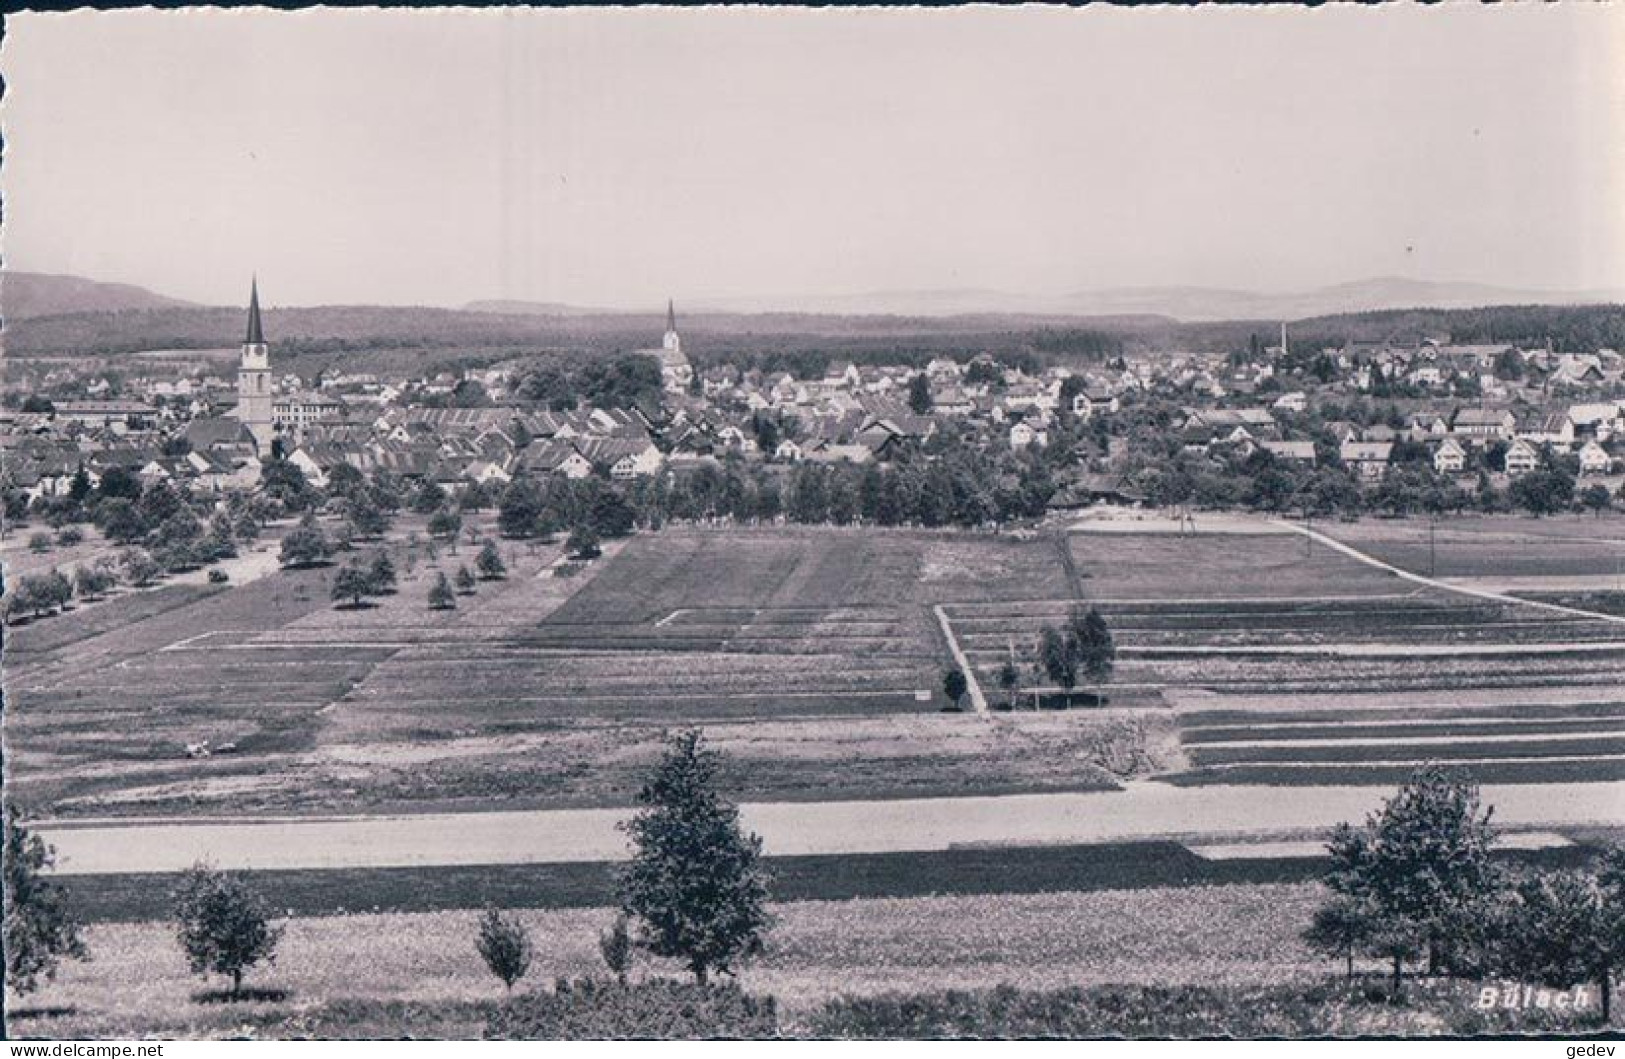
{"x": 1415, "y": 882}
{"x": 963, "y": 488}
{"x": 38, "y": 595}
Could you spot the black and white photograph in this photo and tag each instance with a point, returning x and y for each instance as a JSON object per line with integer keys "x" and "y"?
{"x": 813, "y": 523}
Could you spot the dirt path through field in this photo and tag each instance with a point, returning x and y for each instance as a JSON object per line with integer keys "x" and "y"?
{"x": 972, "y": 685}
{"x": 1445, "y": 585}
{"x": 1139, "y": 811}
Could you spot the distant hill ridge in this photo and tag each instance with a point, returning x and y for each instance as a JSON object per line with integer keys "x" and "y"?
{"x": 25, "y": 295}
{"x": 29, "y": 294}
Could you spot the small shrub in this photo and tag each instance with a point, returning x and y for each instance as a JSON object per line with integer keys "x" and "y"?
{"x": 504, "y": 946}
{"x": 490, "y": 564}
{"x": 69, "y": 535}
{"x": 659, "y": 1009}
{"x": 39, "y": 542}
{"x": 440, "y": 594}
{"x": 218, "y": 576}
{"x": 615, "y": 945}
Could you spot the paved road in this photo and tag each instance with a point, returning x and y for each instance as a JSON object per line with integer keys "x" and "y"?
{"x": 1144, "y": 810}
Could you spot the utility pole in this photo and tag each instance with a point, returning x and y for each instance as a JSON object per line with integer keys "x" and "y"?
{"x": 1433, "y": 523}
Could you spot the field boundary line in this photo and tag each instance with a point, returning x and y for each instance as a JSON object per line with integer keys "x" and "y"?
{"x": 1069, "y": 563}
{"x": 972, "y": 685}
{"x": 1382, "y": 763}
{"x": 1157, "y": 601}
{"x": 1370, "y": 560}
{"x": 1498, "y": 739}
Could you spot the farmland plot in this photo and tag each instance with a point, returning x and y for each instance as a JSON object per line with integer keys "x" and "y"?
{"x": 797, "y": 649}
{"x": 1257, "y": 613}
{"x": 1500, "y": 548}
{"x": 124, "y": 705}
{"x": 1535, "y": 740}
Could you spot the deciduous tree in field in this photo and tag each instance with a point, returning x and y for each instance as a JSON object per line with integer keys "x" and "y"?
{"x": 1057, "y": 658}
{"x": 368, "y": 521}
{"x": 440, "y": 594}
{"x": 954, "y": 685}
{"x": 93, "y": 580}
{"x": 345, "y": 481}
{"x": 695, "y": 884}
{"x": 505, "y": 947}
{"x": 429, "y": 497}
{"x": 1097, "y": 653}
{"x": 222, "y": 925}
{"x": 445, "y": 524}
{"x": 474, "y": 497}
{"x": 1563, "y": 929}
{"x": 305, "y": 545}
{"x": 121, "y": 521}
{"x": 40, "y": 930}
{"x": 1081, "y": 647}
{"x": 1421, "y": 866}
{"x": 139, "y": 568}
{"x": 351, "y": 583}
{"x": 1009, "y": 681}
{"x": 489, "y": 563}
{"x": 381, "y": 574}
{"x": 1342, "y": 928}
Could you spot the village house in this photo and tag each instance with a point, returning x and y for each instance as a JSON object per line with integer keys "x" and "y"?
{"x": 1483, "y": 425}
{"x": 1449, "y": 457}
{"x": 551, "y": 456}
{"x": 293, "y": 412}
{"x": 1094, "y": 397}
{"x": 1521, "y": 457}
{"x": 1427, "y": 425}
{"x": 1369, "y": 459}
{"x": 117, "y": 416}
{"x": 1549, "y": 428}
{"x": 1291, "y": 451}
{"x": 1024, "y": 435}
{"x": 1594, "y": 459}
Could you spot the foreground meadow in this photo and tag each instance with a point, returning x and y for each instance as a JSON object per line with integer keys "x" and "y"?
{"x": 421, "y": 970}
{"x": 1201, "y": 961}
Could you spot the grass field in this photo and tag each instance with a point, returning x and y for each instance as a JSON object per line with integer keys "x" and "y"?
{"x": 965, "y": 871}
{"x": 138, "y": 984}
{"x": 1502, "y": 546}
{"x": 390, "y": 974}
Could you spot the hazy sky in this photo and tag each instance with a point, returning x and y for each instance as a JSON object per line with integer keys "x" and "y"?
{"x": 616, "y": 157}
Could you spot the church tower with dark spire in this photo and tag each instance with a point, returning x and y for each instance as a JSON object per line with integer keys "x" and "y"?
{"x": 254, "y": 378}
{"x": 672, "y": 341}
{"x": 676, "y": 373}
